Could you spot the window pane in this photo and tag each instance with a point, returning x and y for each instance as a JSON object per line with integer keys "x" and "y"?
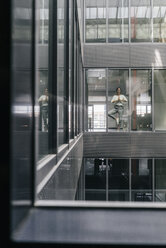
{"x": 71, "y": 68}
{"x": 141, "y": 179}
{"x": 118, "y": 15}
{"x": 141, "y": 100}
{"x": 43, "y": 91}
{"x": 118, "y": 109}
{"x": 60, "y": 71}
{"x": 96, "y": 80}
{"x": 160, "y": 180}
{"x": 159, "y": 21}
{"x": 160, "y": 99}
{"x": 141, "y": 28}
{"x": 95, "y": 179}
{"x": 95, "y": 21}
{"x": 118, "y": 179}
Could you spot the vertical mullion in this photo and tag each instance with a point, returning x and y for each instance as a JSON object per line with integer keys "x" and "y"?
{"x": 122, "y": 27}
{"x": 153, "y": 179}
{"x": 130, "y": 179}
{"x": 53, "y": 120}
{"x": 75, "y": 62}
{"x": 106, "y": 179}
{"x": 33, "y": 85}
{"x": 130, "y": 98}
{"x": 129, "y": 23}
{"x": 152, "y": 107}
{"x": 84, "y": 102}
{"x": 78, "y": 83}
{"x": 66, "y": 71}
{"x": 152, "y": 20}
{"x": 42, "y": 33}
{"x": 76, "y": 77}
{"x": 75, "y": 93}
{"x": 72, "y": 73}
{"x": 106, "y": 99}
{"x": 84, "y": 179}
{"x": 106, "y": 21}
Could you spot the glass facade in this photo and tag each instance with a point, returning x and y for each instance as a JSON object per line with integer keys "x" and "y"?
{"x": 125, "y": 179}
{"x": 159, "y": 99}
{"x": 141, "y": 25}
{"x": 96, "y": 80}
{"x": 160, "y": 182}
{"x": 141, "y": 100}
{"x": 58, "y": 99}
{"x": 118, "y": 179}
{"x": 147, "y": 108}
{"x": 137, "y": 107}
{"x": 159, "y": 21}
{"x": 118, "y": 21}
{"x": 141, "y": 179}
{"x": 60, "y": 71}
{"x": 118, "y": 111}
{"x": 95, "y": 21}
{"x": 44, "y": 21}
{"x": 42, "y": 74}
{"x": 110, "y": 21}
{"x": 95, "y": 179}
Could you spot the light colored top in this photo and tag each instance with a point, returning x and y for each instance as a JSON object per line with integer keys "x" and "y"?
{"x": 44, "y": 100}
{"x": 120, "y": 102}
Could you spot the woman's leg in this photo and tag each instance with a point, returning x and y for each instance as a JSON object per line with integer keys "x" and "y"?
{"x": 112, "y": 113}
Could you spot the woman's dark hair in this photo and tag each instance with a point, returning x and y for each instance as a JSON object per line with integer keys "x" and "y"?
{"x": 118, "y": 88}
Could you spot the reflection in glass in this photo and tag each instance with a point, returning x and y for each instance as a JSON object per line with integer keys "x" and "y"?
{"x": 42, "y": 90}
{"x": 141, "y": 28}
{"x": 43, "y": 102}
{"x": 44, "y": 21}
{"x": 160, "y": 180}
{"x": 60, "y": 71}
{"x": 118, "y": 20}
{"x": 118, "y": 94}
{"x": 21, "y": 32}
{"x": 159, "y": 21}
{"x": 96, "y": 80}
{"x": 118, "y": 179}
{"x": 21, "y": 115}
{"x": 141, "y": 179}
{"x": 95, "y": 179}
{"x": 141, "y": 100}
{"x": 160, "y": 99}
{"x": 95, "y": 16}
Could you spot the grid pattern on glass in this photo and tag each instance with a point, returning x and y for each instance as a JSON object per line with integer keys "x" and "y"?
{"x": 118, "y": 111}
{"x": 118, "y": 21}
{"x": 95, "y": 18}
{"x": 159, "y": 21}
{"x": 96, "y": 80}
{"x": 141, "y": 100}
